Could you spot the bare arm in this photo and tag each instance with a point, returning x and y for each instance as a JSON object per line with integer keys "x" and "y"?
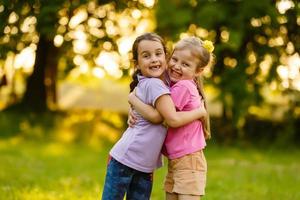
{"x": 166, "y": 109}
{"x": 147, "y": 111}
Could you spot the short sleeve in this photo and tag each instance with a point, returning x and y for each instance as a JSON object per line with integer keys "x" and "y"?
{"x": 180, "y": 95}
{"x": 156, "y": 88}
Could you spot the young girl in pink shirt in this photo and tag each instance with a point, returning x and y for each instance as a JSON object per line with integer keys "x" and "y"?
{"x": 187, "y": 167}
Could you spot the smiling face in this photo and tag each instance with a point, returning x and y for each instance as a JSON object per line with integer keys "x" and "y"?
{"x": 151, "y": 59}
{"x": 183, "y": 65}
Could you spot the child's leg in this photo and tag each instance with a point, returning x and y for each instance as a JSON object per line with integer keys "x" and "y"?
{"x": 140, "y": 187}
{"x": 188, "y": 197}
{"x": 171, "y": 196}
{"x": 118, "y": 178}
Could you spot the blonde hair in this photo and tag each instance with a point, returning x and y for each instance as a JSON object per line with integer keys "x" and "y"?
{"x": 203, "y": 52}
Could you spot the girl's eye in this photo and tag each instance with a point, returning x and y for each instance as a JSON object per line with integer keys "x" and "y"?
{"x": 185, "y": 65}
{"x": 174, "y": 59}
{"x": 145, "y": 56}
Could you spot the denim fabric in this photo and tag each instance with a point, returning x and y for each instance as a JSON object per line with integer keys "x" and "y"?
{"x": 121, "y": 179}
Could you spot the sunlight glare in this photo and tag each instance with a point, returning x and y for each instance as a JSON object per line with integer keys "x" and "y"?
{"x": 136, "y": 13}
{"x": 93, "y": 22}
{"x": 201, "y": 32}
{"x": 290, "y": 74}
{"x": 252, "y": 58}
{"x": 58, "y": 40}
{"x": 110, "y": 62}
{"x": 124, "y": 22}
{"x": 125, "y": 44}
{"x": 284, "y": 5}
{"x": 63, "y": 21}
{"x": 6, "y": 30}
{"x": 107, "y": 45}
{"x": 79, "y": 17}
{"x": 99, "y": 33}
{"x": 144, "y": 25}
{"x": 231, "y": 62}
{"x": 294, "y": 66}
{"x": 9, "y": 62}
{"x": 290, "y": 48}
{"x": 28, "y": 24}
{"x": 101, "y": 12}
{"x": 13, "y": 18}
{"x": 81, "y": 46}
{"x": 78, "y": 60}
{"x": 14, "y": 30}
{"x": 265, "y": 65}
{"x": 283, "y": 71}
{"x": 110, "y": 28}
{"x": 296, "y": 83}
{"x": 148, "y": 3}
{"x": 79, "y": 35}
{"x": 98, "y": 72}
{"x": 256, "y": 22}
{"x": 25, "y": 59}
{"x": 84, "y": 68}
{"x": 1, "y": 8}
{"x": 224, "y": 36}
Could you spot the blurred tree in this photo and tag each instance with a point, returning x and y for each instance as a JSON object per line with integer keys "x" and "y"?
{"x": 40, "y": 24}
{"x": 251, "y": 37}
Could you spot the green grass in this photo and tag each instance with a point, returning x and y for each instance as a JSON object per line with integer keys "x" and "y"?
{"x": 50, "y": 170}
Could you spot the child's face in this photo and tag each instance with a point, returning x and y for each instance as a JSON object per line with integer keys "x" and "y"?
{"x": 182, "y": 65}
{"x": 151, "y": 58}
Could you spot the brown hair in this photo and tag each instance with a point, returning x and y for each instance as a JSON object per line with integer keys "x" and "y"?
{"x": 145, "y": 36}
{"x": 205, "y": 59}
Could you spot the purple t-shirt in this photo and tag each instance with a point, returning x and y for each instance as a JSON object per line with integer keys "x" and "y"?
{"x": 140, "y": 146}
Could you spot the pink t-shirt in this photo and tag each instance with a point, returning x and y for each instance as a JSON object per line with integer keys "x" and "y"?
{"x": 190, "y": 137}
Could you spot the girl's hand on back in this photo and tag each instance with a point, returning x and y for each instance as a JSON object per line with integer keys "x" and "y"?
{"x": 131, "y": 97}
{"x": 131, "y": 118}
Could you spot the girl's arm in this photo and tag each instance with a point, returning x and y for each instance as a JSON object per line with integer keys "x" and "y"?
{"x": 147, "y": 111}
{"x": 165, "y": 109}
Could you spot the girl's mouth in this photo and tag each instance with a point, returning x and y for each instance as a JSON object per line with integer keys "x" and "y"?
{"x": 155, "y": 68}
{"x": 175, "y": 74}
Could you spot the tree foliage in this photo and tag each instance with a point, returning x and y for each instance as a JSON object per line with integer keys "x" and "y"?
{"x": 43, "y": 21}
{"x": 251, "y": 40}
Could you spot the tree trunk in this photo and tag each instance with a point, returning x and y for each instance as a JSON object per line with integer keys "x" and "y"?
{"x": 42, "y": 79}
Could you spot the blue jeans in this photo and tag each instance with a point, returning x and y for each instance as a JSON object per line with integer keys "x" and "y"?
{"x": 121, "y": 179}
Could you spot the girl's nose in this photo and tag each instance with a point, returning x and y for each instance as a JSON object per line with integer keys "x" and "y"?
{"x": 176, "y": 66}
{"x": 154, "y": 59}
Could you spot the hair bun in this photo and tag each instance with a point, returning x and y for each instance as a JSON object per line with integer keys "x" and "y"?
{"x": 209, "y": 46}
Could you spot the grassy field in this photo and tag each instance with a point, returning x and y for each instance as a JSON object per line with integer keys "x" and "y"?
{"x": 49, "y": 170}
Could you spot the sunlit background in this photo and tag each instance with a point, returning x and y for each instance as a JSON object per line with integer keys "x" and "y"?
{"x": 98, "y": 40}
{"x": 65, "y": 69}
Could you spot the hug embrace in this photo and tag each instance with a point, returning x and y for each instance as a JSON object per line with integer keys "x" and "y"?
{"x": 169, "y": 116}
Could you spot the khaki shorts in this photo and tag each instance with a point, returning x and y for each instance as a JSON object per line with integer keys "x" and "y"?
{"x": 187, "y": 175}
